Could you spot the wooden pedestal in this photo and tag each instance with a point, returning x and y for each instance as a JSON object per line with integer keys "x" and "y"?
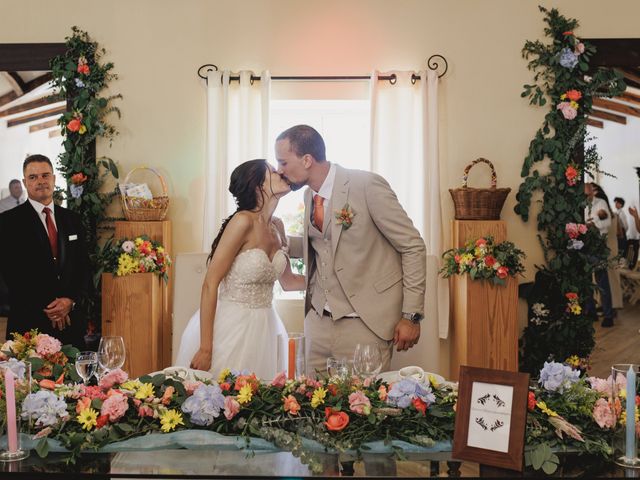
{"x": 160, "y": 232}
{"x": 132, "y": 308}
{"x": 484, "y": 316}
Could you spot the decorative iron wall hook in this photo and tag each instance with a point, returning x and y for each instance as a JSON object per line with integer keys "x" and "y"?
{"x": 432, "y": 64}
{"x": 207, "y": 68}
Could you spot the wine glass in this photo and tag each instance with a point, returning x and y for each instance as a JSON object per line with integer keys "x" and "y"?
{"x": 86, "y": 365}
{"x": 337, "y": 367}
{"x": 367, "y": 359}
{"x": 111, "y": 353}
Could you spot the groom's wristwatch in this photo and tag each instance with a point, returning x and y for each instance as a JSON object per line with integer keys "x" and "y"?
{"x": 413, "y": 317}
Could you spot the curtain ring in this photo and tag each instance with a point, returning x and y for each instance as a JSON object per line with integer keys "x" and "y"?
{"x": 251, "y": 79}
{"x": 414, "y": 78}
{"x": 393, "y": 79}
{"x": 207, "y": 68}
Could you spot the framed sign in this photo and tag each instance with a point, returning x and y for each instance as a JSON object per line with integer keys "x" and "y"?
{"x": 491, "y": 417}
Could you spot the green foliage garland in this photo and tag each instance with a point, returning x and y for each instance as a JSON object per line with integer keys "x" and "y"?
{"x": 80, "y": 76}
{"x": 562, "y": 77}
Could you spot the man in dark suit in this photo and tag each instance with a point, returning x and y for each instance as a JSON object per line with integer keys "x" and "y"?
{"x": 44, "y": 260}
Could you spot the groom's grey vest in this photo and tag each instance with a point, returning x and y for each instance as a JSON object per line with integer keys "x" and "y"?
{"x": 324, "y": 285}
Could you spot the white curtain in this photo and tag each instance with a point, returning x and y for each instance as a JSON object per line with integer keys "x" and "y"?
{"x": 404, "y": 150}
{"x": 237, "y": 131}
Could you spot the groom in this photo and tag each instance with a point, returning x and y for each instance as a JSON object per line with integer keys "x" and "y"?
{"x": 366, "y": 262}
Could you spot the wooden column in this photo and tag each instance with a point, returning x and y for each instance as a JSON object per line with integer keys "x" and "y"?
{"x": 132, "y": 309}
{"x": 484, "y": 316}
{"x": 160, "y": 232}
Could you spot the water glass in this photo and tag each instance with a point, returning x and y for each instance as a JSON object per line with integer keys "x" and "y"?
{"x": 367, "y": 359}
{"x": 111, "y": 353}
{"x": 337, "y": 367}
{"x": 86, "y": 365}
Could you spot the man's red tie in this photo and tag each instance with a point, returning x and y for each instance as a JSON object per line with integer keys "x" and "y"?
{"x": 318, "y": 211}
{"x": 52, "y": 232}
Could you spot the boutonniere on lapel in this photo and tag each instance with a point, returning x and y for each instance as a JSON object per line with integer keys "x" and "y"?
{"x": 344, "y": 216}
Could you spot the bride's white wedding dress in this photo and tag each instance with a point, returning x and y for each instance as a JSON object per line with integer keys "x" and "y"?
{"x": 246, "y": 326}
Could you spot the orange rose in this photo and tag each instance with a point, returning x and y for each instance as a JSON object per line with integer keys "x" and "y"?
{"x": 83, "y": 404}
{"x": 74, "y": 125}
{"x": 332, "y": 389}
{"x": 574, "y": 95}
{"x": 47, "y": 384}
{"x": 571, "y": 296}
{"x": 336, "y": 421}
{"x": 531, "y": 402}
{"x": 567, "y": 33}
{"x": 291, "y": 405}
{"x": 84, "y": 69}
{"x": 225, "y": 387}
{"x": 420, "y": 406}
{"x": 503, "y": 272}
{"x": 102, "y": 420}
{"x": 481, "y": 242}
{"x": 489, "y": 260}
{"x": 78, "y": 178}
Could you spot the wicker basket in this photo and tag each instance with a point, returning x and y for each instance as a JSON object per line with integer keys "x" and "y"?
{"x": 139, "y": 209}
{"x": 479, "y": 203}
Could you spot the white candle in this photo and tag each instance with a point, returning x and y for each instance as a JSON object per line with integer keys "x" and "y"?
{"x": 12, "y": 428}
{"x": 630, "y": 452}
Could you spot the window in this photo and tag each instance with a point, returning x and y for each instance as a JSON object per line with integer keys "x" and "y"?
{"x": 345, "y": 127}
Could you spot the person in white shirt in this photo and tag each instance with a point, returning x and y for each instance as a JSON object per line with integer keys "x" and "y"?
{"x": 15, "y": 198}
{"x": 598, "y": 214}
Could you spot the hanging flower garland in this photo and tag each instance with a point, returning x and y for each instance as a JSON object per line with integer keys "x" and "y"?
{"x": 572, "y": 250}
{"x": 80, "y": 76}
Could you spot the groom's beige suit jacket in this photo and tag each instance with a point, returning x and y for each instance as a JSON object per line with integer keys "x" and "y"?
{"x": 380, "y": 260}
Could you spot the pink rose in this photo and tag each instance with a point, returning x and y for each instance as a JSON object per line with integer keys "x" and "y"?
{"x": 572, "y": 230}
{"x": 115, "y": 407}
{"x": 359, "y": 403}
{"x": 46, "y": 345}
{"x": 279, "y": 380}
{"x": 579, "y": 48}
{"x": 568, "y": 112}
{"x": 191, "y": 387}
{"x": 582, "y": 228}
{"x": 231, "y": 407}
{"x": 145, "y": 411}
{"x": 291, "y": 405}
{"x": 114, "y": 377}
{"x": 601, "y": 385}
{"x": 503, "y": 272}
{"x": 603, "y": 415}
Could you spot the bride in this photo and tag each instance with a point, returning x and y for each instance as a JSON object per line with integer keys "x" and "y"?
{"x": 237, "y": 326}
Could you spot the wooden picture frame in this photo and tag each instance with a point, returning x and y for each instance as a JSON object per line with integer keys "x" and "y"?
{"x": 491, "y": 417}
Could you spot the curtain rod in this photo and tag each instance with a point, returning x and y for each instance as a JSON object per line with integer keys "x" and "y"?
{"x": 432, "y": 64}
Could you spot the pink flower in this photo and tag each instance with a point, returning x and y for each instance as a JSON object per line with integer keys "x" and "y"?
{"x": 83, "y": 404}
{"x": 114, "y": 377}
{"x": 481, "y": 242}
{"x": 279, "y": 380}
{"x": 231, "y": 407}
{"x": 115, "y": 407}
{"x": 191, "y": 387}
{"x": 367, "y": 382}
{"x": 572, "y": 230}
{"x": 603, "y": 415}
{"x": 582, "y": 228}
{"x": 601, "y": 385}
{"x": 291, "y": 405}
{"x": 359, "y": 403}
{"x": 128, "y": 246}
{"x": 503, "y": 272}
{"x": 145, "y": 411}
{"x": 568, "y": 112}
{"x": 579, "y": 48}
{"x": 43, "y": 433}
{"x": 46, "y": 345}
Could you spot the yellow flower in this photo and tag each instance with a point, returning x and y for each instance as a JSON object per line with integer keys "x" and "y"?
{"x": 245, "y": 395}
{"x": 573, "y": 360}
{"x": 575, "y": 308}
{"x": 563, "y": 96}
{"x": 318, "y": 397}
{"x": 138, "y": 241}
{"x": 145, "y": 391}
{"x": 88, "y": 418}
{"x": 543, "y": 407}
{"x": 82, "y": 129}
{"x": 160, "y": 250}
{"x": 170, "y": 420}
{"x": 126, "y": 265}
{"x": 132, "y": 385}
{"x": 574, "y": 105}
{"x": 433, "y": 381}
{"x": 223, "y": 375}
{"x": 466, "y": 258}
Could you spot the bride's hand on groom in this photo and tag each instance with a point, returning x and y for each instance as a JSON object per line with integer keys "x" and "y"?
{"x": 201, "y": 360}
{"x": 406, "y": 334}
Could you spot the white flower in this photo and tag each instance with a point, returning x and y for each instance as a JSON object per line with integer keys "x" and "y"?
{"x": 539, "y": 310}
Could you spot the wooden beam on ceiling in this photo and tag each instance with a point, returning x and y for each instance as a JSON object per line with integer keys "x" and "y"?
{"x": 629, "y": 97}
{"x": 36, "y": 116}
{"x": 39, "y": 102}
{"x": 629, "y": 75}
{"x": 15, "y": 86}
{"x": 55, "y": 133}
{"x": 616, "y": 107}
{"x": 36, "y": 82}
{"x": 43, "y": 126}
{"x": 595, "y": 123}
{"x": 608, "y": 116}
{"x": 8, "y": 97}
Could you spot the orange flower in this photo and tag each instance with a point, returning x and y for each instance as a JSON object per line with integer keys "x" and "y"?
{"x": 481, "y": 242}
{"x": 78, "y": 178}
{"x": 489, "y": 260}
{"x": 74, "y": 125}
{"x": 84, "y": 69}
{"x": 502, "y": 272}
{"x": 168, "y": 393}
{"x": 574, "y": 95}
{"x": 291, "y": 405}
{"x": 102, "y": 420}
{"x": 243, "y": 380}
{"x": 332, "y": 388}
{"x": 336, "y": 421}
{"x": 420, "y": 406}
{"x": 225, "y": 387}
{"x": 47, "y": 384}
{"x": 382, "y": 393}
{"x": 83, "y": 404}
{"x": 571, "y": 296}
{"x": 531, "y": 402}
{"x": 567, "y": 33}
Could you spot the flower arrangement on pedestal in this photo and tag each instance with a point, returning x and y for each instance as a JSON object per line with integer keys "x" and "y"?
{"x": 140, "y": 255}
{"x": 484, "y": 260}
{"x": 572, "y": 251}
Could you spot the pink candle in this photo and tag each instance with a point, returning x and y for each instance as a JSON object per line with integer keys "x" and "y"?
{"x": 10, "y": 392}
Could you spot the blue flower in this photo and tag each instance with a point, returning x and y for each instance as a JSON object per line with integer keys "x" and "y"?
{"x": 403, "y": 392}
{"x": 555, "y": 377}
{"x": 76, "y": 190}
{"x": 17, "y": 367}
{"x": 575, "y": 244}
{"x": 205, "y": 404}
{"x": 568, "y": 59}
{"x": 79, "y": 83}
{"x": 45, "y": 407}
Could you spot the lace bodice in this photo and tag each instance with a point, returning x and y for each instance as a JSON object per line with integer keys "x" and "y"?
{"x": 250, "y": 280}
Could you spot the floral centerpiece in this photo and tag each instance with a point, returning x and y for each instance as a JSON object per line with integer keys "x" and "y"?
{"x": 140, "y": 255}
{"x": 484, "y": 260}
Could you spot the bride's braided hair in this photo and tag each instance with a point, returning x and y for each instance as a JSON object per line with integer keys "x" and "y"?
{"x": 246, "y": 178}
